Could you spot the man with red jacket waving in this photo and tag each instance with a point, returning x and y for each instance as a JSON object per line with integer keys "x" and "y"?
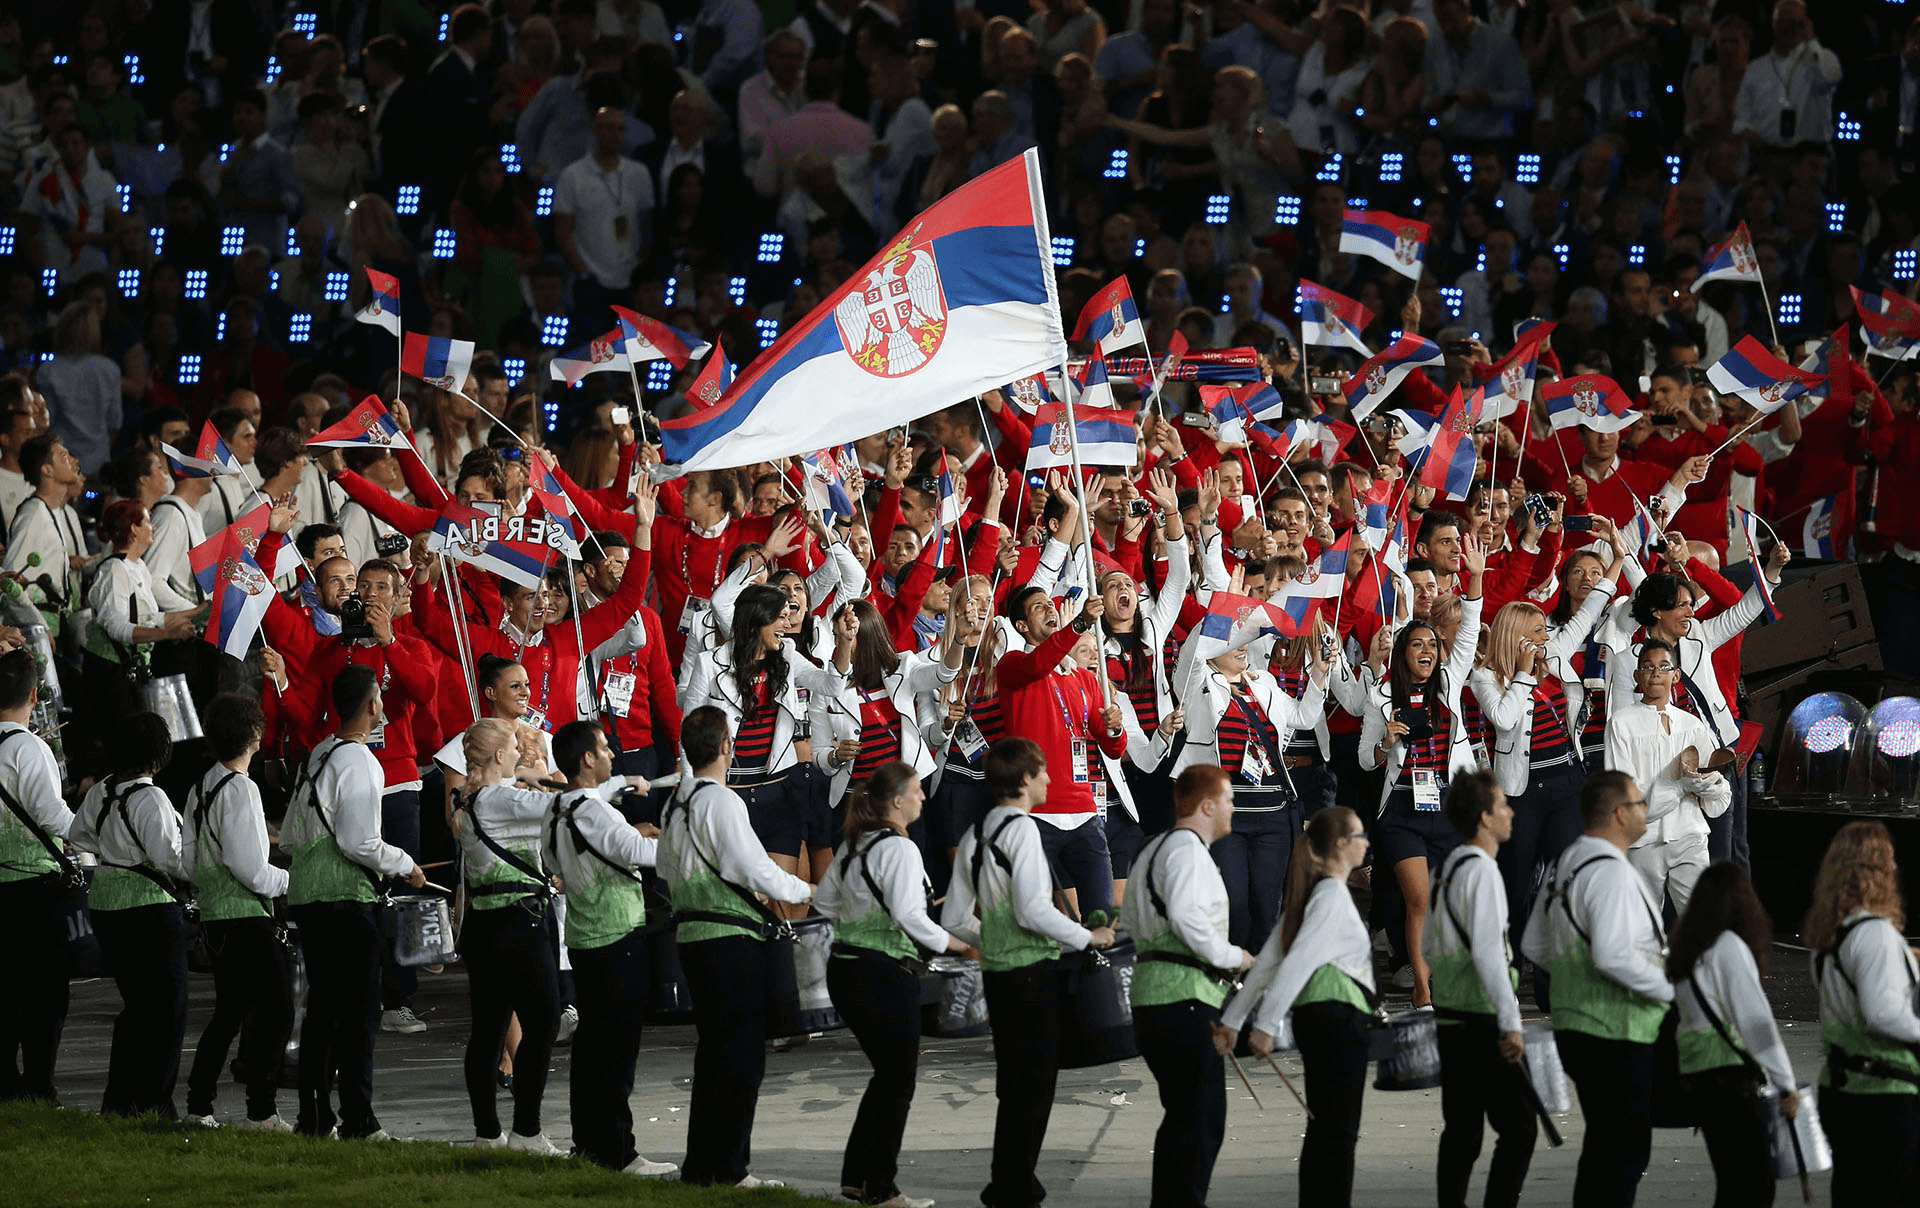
{"x": 1051, "y": 695}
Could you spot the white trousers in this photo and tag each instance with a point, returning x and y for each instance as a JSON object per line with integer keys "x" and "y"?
{"x": 1672, "y": 867}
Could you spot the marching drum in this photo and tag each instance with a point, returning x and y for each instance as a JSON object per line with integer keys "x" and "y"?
{"x": 168, "y": 696}
{"x": 1413, "y": 1062}
{"x": 1799, "y": 1146}
{"x": 422, "y": 931}
{"x": 812, "y": 945}
{"x": 953, "y": 998}
{"x": 1097, "y": 1025}
{"x": 1544, "y": 1070}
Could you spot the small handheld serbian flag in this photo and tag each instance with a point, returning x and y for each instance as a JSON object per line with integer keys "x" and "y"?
{"x": 1030, "y": 393}
{"x": 1105, "y": 437}
{"x": 1749, "y": 526}
{"x": 384, "y": 309}
{"x": 1509, "y": 380}
{"x": 1816, "y": 533}
{"x": 1307, "y": 592}
{"x": 211, "y": 456}
{"x": 1733, "y": 260}
{"x": 1399, "y": 243}
{"x": 715, "y": 377}
{"x": 1886, "y": 314}
{"x": 1331, "y": 319}
{"x": 1588, "y": 401}
{"x": 607, "y": 354}
{"x": 238, "y": 594}
{"x": 1376, "y": 513}
{"x": 1111, "y": 319}
{"x": 1450, "y": 457}
{"x": 436, "y": 360}
{"x": 516, "y": 548}
{"x": 1235, "y": 407}
{"x": 1759, "y": 377}
{"x": 1096, "y": 390}
{"x": 548, "y": 491}
{"x": 651, "y": 340}
{"x": 1233, "y": 621}
{"x": 368, "y": 425}
{"x": 825, "y": 483}
{"x": 1381, "y": 375}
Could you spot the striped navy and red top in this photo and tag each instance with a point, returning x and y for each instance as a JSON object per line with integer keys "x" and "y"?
{"x": 988, "y": 715}
{"x": 1302, "y": 741}
{"x": 879, "y": 733}
{"x": 1245, "y": 723}
{"x": 1589, "y": 664}
{"x": 1146, "y": 699}
{"x": 753, "y": 739}
{"x": 1550, "y": 744}
{"x": 1430, "y": 753}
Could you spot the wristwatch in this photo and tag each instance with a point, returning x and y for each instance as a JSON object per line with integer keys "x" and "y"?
{"x": 1083, "y": 624}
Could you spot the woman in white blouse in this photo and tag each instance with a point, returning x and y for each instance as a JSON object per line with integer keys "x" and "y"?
{"x": 131, "y": 611}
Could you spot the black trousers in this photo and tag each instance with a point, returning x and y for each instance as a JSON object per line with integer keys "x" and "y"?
{"x": 1614, "y": 1079}
{"x": 400, "y": 826}
{"x": 1476, "y": 1085}
{"x": 880, "y": 1000}
{"x": 729, "y": 982}
{"x": 611, "y": 985}
{"x": 252, "y": 987}
{"x": 145, "y": 951}
{"x": 1024, "y": 1005}
{"x": 1334, "y": 1046}
{"x": 510, "y": 971}
{"x": 1734, "y": 1123}
{"x": 1875, "y": 1141}
{"x": 33, "y": 948}
{"x": 342, "y": 942}
{"x": 1177, "y": 1042}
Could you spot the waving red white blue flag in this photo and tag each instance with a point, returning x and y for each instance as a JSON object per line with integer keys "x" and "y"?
{"x": 1816, "y": 532}
{"x": 1332, "y": 319}
{"x": 1749, "y": 526}
{"x": 651, "y": 340}
{"x": 210, "y": 457}
{"x": 238, "y": 595}
{"x": 1447, "y": 466}
{"x": 1399, "y": 243}
{"x": 384, "y": 309}
{"x": 1030, "y": 393}
{"x": 1590, "y": 400}
{"x": 606, "y": 354}
{"x": 1382, "y": 374}
{"x": 1105, "y": 437}
{"x": 1375, "y": 516}
{"x": 1096, "y": 390}
{"x": 1733, "y": 260}
{"x": 244, "y": 533}
{"x": 1234, "y": 408}
{"x": 825, "y": 483}
{"x": 436, "y": 360}
{"x": 960, "y": 300}
{"x": 517, "y": 548}
{"x": 1887, "y": 314}
{"x": 368, "y": 425}
{"x": 1759, "y": 377}
{"x": 1111, "y": 318}
{"x": 714, "y": 378}
{"x": 1509, "y": 380}
{"x": 1232, "y": 621}
{"x": 1322, "y": 580}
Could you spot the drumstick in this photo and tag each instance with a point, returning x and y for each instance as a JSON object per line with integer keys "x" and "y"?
{"x": 1243, "y": 1082}
{"x": 435, "y": 864}
{"x": 441, "y": 888}
{"x": 1533, "y": 1098}
{"x": 1290, "y": 1086}
{"x": 1800, "y": 1160}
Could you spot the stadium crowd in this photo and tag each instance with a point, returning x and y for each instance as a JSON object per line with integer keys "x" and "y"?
{"x": 306, "y": 292}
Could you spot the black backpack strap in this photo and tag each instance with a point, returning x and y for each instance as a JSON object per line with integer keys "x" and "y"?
{"x": 70, "y": 873}
{"x": 464, "y": 801}
{"x": 873, "y": 886}
{"x": 1441, "y": 897}
{"x": 1562, "y": 891}
{"x": 984, "y": 843}
{"x": 770, "y": 924}
{"x": 200, "y": 803}
{"x": 116, "y": 802}
{"x": 580, "y": 843}
{"x": 311, "y": 781}
{"x": 1832, "y": 953}
{"x": 1746, "y": 1059}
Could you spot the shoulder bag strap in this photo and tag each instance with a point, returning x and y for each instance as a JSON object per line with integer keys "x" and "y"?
{"x": 464, "y": 801}
{"x": 117, "y": 802}
{"x": 1746, "y": 1059}
{"x": 1565, "y": 892}
{"x": 69, "y": 871}
{"x": 1441, "y": 897}
{"x": 312, "y": 782}
{"x": 580, "y": 843}
{"x": 200, "y": 804}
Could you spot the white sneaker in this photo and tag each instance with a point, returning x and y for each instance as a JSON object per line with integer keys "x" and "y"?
{"x": 272, "y": 1124}
{"x": 402, "y": 1020}
{"x": 569, "y": 1020}
{"x": 749, "y": 1183}
{"x": 537, "y": 1143}
{"x": 644, "y": 1165}
{"x": 903, "y": 1200}
{"x": 381, "y": 1134}
{"x": 499, "y": 1142}
{"x": 1403, "y": 978}
{"x": 203, "y": 1122}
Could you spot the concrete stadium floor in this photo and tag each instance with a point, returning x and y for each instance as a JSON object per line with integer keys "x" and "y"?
{"x": 1099, "y": 1146}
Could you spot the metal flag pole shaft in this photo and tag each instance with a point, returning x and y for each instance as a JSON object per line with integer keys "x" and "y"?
{"x": 1289, "y": 1084}
{"x": 1766, "y": 304}
{"x": 1737, "y": 435}
{"x": 455, "y": 612}
{"x": 1258, "y": 1106}
{"x": 1086, "y": 509}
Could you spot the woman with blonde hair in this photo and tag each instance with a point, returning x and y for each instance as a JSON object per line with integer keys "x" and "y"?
{"x": 1536, "y": 732}
{"x": 1866, "y": 973}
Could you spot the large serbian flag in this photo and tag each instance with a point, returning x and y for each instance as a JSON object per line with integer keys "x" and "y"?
{"x": 961, "y": 301}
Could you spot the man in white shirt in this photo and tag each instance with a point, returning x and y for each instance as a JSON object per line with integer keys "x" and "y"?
{"x": 34, "y": 943}
{"x": 603, "y": 212}
{"x": 45, "y": 524}
{"x": 1647, "y": 740}
{"x": 17, "y": 418}
{"x": 1786, "y": 97}
{"x": 69, "y": 204}
{"x": 177, "y": 528}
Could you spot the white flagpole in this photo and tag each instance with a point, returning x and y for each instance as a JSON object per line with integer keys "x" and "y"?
{"x": 451, "y": 566}
{"x": 1086, "y": 506}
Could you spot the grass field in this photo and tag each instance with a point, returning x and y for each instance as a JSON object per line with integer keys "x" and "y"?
{"x": 50, "y": 1157}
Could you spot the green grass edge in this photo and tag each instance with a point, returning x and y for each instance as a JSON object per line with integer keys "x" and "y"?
{"x": 51, "y": 1156}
